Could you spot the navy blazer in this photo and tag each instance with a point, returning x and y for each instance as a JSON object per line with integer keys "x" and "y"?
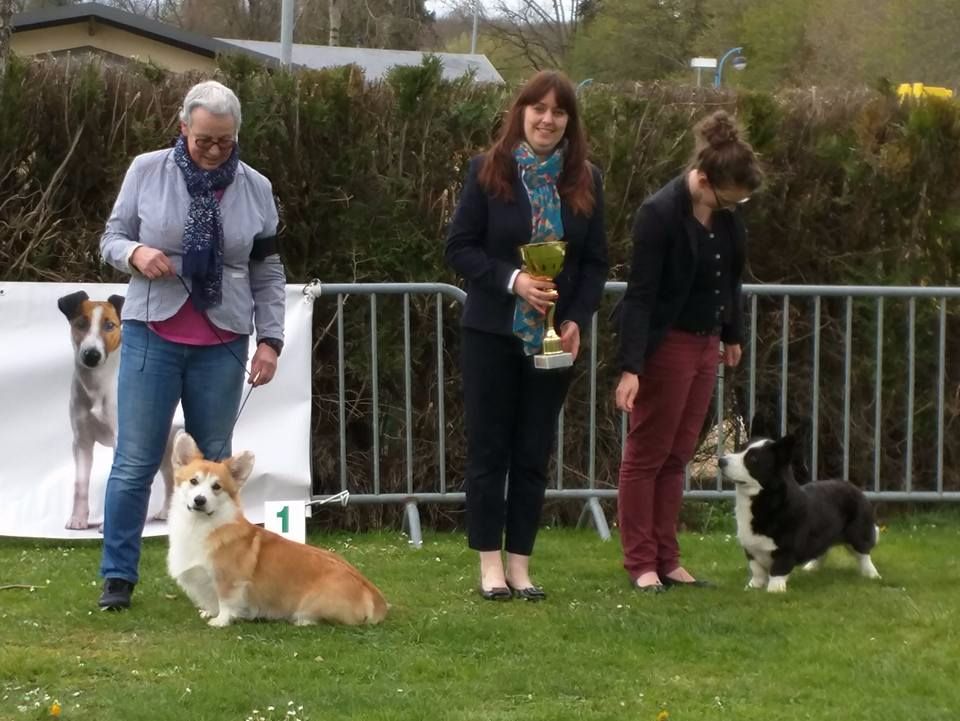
{"x": 662, "y": 272}
{"x": 483, "y": 247}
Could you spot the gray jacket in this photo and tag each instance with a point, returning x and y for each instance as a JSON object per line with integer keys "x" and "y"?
{"x": 151, "y": 210}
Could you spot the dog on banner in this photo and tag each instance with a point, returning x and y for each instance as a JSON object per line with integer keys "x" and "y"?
{"x": 95, "y": 334}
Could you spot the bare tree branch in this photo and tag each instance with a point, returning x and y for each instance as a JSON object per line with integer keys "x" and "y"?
{"x": 542, "y": 33}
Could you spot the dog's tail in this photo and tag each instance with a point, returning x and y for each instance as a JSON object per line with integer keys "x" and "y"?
{"x": 377, "y": 606}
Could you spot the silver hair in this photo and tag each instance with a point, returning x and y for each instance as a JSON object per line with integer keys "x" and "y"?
{"x": 213, "y": 97}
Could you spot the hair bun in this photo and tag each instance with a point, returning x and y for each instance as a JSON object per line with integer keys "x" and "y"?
{"x": 718, "y": 129}
{"x": 722, "y": 153}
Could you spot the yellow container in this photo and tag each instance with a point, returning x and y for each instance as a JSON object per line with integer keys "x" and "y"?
{"x": 919, "y": 90}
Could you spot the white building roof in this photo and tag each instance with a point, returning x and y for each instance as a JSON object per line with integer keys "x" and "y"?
{"x": 375, "y": 62}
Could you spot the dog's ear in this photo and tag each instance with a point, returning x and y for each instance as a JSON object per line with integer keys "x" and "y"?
{"x": 762, "y": 426}
{"x": 184, "y": 450}
{"x": 241, "y": 466}
{"x": 117, "y": 302}
{"x": 803, "y": 433}
{"x": 784, "y": 450}
{"x": 69, "y": 305}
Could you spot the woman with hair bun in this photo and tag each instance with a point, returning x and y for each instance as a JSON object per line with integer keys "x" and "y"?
{"x": 682, "y": 310}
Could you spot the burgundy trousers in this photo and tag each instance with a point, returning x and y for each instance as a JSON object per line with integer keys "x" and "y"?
{"x": 676, "y": 388}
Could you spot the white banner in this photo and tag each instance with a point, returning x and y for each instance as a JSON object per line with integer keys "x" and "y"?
{"x": 38, "y": 474}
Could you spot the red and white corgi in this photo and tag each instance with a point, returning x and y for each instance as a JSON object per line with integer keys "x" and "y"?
{"x": 232, "y": 569}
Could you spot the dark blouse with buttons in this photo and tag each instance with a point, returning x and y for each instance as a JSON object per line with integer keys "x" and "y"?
{"x": 673, "y": 279}
{"x": 707, "y": 307}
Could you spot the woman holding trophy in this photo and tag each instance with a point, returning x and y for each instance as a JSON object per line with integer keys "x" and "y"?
{"x": 528, "y": 237}
{"x": 682, "y": 303}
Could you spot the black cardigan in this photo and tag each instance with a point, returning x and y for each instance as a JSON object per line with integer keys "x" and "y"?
{"x": 483, "y": 247}
{"x": 662, "y": 272}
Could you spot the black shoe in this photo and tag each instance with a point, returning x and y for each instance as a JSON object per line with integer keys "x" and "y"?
{"x": 652, "y": 588}
{"x": 116, "y": 594}
{"x": 497, "y": 593}
{"x": 698, "y": 583}
{"x": 530, "y": 593}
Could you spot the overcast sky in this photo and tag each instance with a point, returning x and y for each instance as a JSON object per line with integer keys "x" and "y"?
{"x": 441, "y": 6}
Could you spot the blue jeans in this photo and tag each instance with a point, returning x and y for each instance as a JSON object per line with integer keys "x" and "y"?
{"x": 156, "y": 374}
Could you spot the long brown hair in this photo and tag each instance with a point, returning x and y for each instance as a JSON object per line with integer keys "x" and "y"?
{"x": 499, "y": 167}
{"x": 723, "y": 154}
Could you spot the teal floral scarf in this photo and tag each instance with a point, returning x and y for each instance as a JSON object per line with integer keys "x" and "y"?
{"x": 540, "y": 179}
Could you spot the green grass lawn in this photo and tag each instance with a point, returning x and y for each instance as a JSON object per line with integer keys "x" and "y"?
{"x": 836, "y": 646}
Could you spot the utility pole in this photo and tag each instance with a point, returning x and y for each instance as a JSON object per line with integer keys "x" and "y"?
{"x": 476, "y": 21}
{"x": 286, "y": 34}
{"x": 335, "y": 21}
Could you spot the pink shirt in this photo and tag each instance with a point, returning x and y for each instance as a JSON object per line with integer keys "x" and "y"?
{"x": 189, "y": 326}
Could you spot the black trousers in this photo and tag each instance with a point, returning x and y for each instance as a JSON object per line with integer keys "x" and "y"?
{"x": 511, "y": 411}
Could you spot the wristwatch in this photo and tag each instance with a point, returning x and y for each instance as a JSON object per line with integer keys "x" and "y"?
{"x": 274, "y": 343}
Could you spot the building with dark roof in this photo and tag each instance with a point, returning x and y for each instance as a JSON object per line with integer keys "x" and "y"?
{"x": 117, "y": 36}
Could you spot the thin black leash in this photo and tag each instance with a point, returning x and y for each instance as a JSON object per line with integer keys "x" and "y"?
{"x": 224, "y": 343}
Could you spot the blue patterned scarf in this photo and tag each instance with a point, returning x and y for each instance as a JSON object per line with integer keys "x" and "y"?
{"x": 540, "y": 178}
{"x": 203, "y": 233}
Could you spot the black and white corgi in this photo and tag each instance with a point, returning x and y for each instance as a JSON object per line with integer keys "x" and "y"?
{"x": 782, "y": 524}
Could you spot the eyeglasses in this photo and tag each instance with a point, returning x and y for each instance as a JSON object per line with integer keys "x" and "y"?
{"x": 723, "y": 203}
{"x": 205, "y": 143}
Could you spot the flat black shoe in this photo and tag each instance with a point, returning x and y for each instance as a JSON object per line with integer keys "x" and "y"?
{"x": 497, "y": 593}
{"x": 698, "y": 583}
{"x": 652, "y": 588}
{"x": 116, "y": 594}
{"x": 530, "y": 593}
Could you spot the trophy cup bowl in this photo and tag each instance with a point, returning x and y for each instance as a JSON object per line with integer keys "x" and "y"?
{"x": 545, "y": 261}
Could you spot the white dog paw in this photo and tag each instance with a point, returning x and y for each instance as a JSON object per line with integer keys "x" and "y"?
{"x": 219, "y": 621}
{"x": 161, "y": 515}
{"x": 811, "y": 565}
{"x": 777, "y": 584}
{"x": 755, "y": 582}
{"x": 204, "y": 613}
{"x": 867, "y": 569}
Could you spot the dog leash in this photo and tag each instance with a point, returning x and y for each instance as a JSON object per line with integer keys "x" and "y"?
{"x": 243, "y": 367}
{"x": 343, "y": 497}
{"x": 241, "y": 363}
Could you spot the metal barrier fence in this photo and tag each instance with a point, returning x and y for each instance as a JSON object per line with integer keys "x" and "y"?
{"x": 853, "y": 298}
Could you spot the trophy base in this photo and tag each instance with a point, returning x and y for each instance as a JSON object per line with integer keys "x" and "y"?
{"x": 551, "y": 361}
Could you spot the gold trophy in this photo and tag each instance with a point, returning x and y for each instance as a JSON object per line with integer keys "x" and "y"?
{"x": 545, "y": 261}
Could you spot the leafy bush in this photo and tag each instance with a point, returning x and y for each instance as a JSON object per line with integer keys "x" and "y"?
{"x": 860, "y": 189}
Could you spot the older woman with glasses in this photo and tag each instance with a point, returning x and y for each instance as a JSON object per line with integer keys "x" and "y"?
{"x": 682, "y": 303}
{"x": 195, "y": 228}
